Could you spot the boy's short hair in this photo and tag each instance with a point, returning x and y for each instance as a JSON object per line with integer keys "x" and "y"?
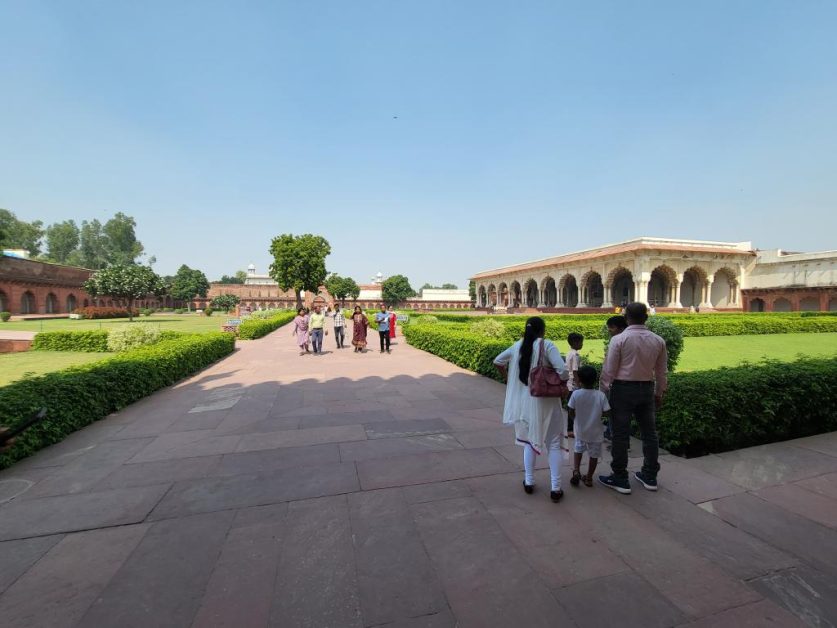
{"x": 575, "y": 337}
{"x": 619, "y": 322}
{"x": 587, "y": 375}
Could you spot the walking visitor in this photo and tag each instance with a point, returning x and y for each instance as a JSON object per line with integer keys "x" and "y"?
{"x": 393, "y": 319}
{"x": 382, "y": 318}
{"x": 635, "y": 374}
{"x": 316, "y": 325}
{"x": 301, "y": 331}
{"x": 359, "y": 327}
{"x": 576, "y": 342}
{"x": 587, "y": 406}
{"x": 339, "y": 326}
{"x": 538, "y": 421}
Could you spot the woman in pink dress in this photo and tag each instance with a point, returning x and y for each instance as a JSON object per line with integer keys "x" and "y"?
{"x": 301, "y": 330}
{"x": 359, "y": 326}
{"x": 392, "y": 320}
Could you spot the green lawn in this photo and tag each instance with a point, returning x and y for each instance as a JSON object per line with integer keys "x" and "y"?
{"x": 178, "y": 322}
{"x": 14, "y": 366}
{"x": 700, "y": 354}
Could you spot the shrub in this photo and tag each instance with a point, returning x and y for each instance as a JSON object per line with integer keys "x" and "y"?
{"x": 105, "y": 312}
{"x": 179, "y": 310}
{"x": 131, "y": 336}
{"x": 256, "y": 327}
{"x": 148, "y": 311}
{"x": 5, "y": 316}
{"x": 490, "y": 328}
{"x": 80, "y": 395}
{"x": 90, "y": 341}
{"x": 752, "y": 404}
{"x": 208, "y": 311}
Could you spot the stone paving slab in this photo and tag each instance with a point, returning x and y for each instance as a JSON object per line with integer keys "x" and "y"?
{"x": 382, "y": 490}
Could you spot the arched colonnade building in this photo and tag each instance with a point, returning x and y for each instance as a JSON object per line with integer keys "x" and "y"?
{"x": 666, "y": 273}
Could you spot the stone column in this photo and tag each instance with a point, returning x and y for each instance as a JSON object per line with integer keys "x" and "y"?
{"x": 607, "y": 302}
{"x": 677, "y": 295}
{"x": 582, "y": 297}
{"x": 707, "y": 301}
{"x": 641, "y": 295}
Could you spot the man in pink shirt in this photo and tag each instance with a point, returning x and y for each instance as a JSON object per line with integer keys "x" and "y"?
{"x": 635, "y": 375}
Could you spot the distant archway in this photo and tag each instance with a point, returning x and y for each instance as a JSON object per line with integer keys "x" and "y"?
{"x": 724, "y": 289}
{"x": 531, "y": 293}
{"x": 550, "y": 292}
{"x": 481, "y": 297}
{"x": 4, "y": 302}
{"x": 622, "y": 286}
{"x": 592, "y": 289}
{"x": 515, "y": 294}
{"x": 27, "y": 303}
{"x": 72, "y": 302}
{"x": 492, "y": 295}
{"x": 809, "y": 304}
{"x": 568, "y": 288}
{"x": 782, "y": 305}
{"x": 757, "y": 305}
{"x": 503, "y": 291}
{"x": 661, "y": 286}
{"x": 51, "y": 304}
{"x": 832, "y": 305}
{"x": 691, "y": 292}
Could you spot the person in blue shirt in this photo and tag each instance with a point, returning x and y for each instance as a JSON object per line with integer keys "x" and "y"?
{"x": 382, "y": 318}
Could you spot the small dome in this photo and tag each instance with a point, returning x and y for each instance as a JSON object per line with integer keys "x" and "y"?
{"x": 252, "y": 268}
{"x": 379, "y": 275}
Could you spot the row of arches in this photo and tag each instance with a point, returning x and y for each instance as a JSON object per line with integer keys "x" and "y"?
{"x": 52, "y": 305}
{"x": 784, "y": 304}
{"x": 619, "y": 287}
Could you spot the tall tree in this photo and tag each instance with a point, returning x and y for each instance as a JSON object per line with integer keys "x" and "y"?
{"x": 396, "y": 289}
{"x": 472, "y": 290}
{"x": 62, "y": 240}
{"x": 342, "y": 287}
{"x": 93, "y": 246}
{"x": 233, "y": 278}
{"x": 299, "y": 262}
{"x": 122, "y": 244}
{"x": 226, "y": 302}
{"x": 450, "y": 286}
{"x": 19, "y": 234}
{"x": 188, "y": 283}
{"x": 240, "y": 275}
{"x": 128, "y": 282}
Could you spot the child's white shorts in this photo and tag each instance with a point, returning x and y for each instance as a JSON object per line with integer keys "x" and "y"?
{"x": 593, "y": 447}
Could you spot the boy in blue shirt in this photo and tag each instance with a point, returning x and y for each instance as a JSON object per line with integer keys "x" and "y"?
{"x": 382, "y": 318}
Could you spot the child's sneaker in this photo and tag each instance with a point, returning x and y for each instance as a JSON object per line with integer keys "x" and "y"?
{"x": 620, "y": 485}
{"x": 648, "y": 483}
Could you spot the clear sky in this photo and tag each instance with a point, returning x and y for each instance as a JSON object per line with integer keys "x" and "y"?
{"x": 434, "y": 138}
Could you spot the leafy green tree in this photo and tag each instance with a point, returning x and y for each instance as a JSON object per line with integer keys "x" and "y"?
{"x": 18, "y": 234}
{"x": 472, "y": 290}
{"x": 188, "y": 283}
{"x": 240, "y": 275}
{"x": 396, "y": 289}
{"x": 122, "y": 244}
{"x": 232, "y": 278}
{"x": 62, "y": 240}
{"x": 427, "y": 286}
{"x": 126, "y": 282}
{"x": 450, "y": 286}
{"x": 299, "y": 262}
{"x": 93, "y": 247}
{"x": 226, "y": 302}
{"x": 342, "y": 287}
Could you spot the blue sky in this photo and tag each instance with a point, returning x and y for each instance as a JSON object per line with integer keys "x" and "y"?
{"x": 433, "y": 138}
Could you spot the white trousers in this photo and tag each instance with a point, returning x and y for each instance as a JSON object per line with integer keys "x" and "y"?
{"x": 553, "y": 446}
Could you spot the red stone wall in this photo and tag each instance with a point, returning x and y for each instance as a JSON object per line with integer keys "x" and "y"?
{"x": 790, "y": 299}
{"x": 48, "y": 287}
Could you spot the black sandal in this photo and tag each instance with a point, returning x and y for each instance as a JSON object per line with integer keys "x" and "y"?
{"x": 529, "y": 488}
{"x": 576, "y": 477}
{"x": 556, "y": 495}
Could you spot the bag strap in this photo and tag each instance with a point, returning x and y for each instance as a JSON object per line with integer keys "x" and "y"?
{"x": 540, "y": 353}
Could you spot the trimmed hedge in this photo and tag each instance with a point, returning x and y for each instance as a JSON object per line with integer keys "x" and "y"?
{"x": 79, "y": 395}
{"x": 253, "y": 328}
{"x": 704, "y": 412}
{"x": 93, "y": 312}
{"x": 752, "y": 404}
{"x": 93, "y": 340}
{"x": 558, "y": 326}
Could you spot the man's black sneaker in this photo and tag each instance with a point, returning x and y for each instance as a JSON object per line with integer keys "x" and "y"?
{"x": 647, "y": 482}
{"x": 620, "y": 485}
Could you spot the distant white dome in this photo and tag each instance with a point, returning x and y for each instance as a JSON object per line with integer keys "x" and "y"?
{"x": 251, "y": 268}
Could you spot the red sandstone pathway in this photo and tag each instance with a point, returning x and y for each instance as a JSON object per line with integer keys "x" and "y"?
{"x": 381, "y": 490}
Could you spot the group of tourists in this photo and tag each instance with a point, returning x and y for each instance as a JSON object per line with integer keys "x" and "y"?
{"x": 632, "y": 384}
{"x": 310, "y": 327}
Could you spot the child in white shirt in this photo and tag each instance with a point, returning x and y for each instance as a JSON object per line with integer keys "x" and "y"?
{"x": 573, "y": 362}
{"x": 587, "y": 406}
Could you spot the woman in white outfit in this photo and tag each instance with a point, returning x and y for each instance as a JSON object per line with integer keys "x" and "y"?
{"x": 538, "y": 421}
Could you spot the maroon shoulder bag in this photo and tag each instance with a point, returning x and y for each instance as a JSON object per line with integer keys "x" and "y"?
{"x": 544, "y": 381}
